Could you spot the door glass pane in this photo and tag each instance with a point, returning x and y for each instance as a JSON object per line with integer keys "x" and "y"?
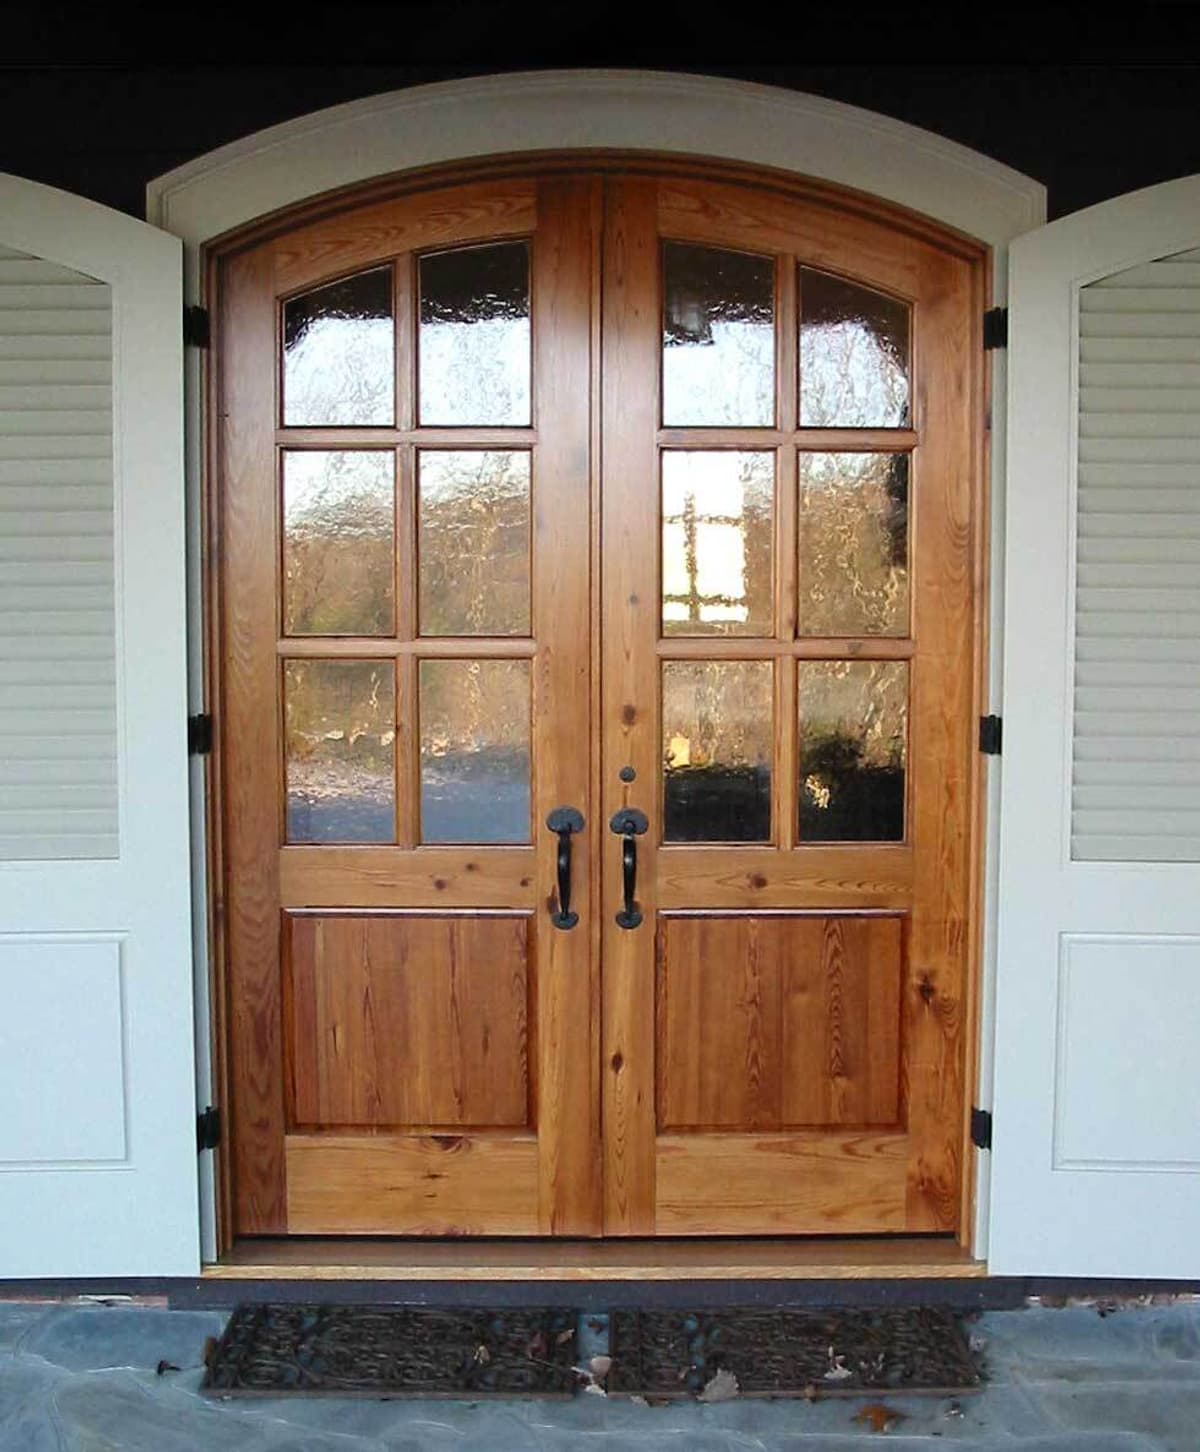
{"x": 718, "y": 531}
{"x": 718, "y": 731}
{"x": 338, "y": 351}
{"x": 853, "y": 539}
{"x": 718, "y": 337}
{"x": 473, "y": 543}
{"x": 340, "y": 743}
{"x": 853, "y": 746}
{"x": 474, "y": 351}
{"x": 338, "y": 542}
{"x": 854, "y": 352}
{"x": 475, "y": 756}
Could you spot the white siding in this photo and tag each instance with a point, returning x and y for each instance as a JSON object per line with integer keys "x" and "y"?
{"x": 1135, "y": 789}
{"x": 58, "y": 713}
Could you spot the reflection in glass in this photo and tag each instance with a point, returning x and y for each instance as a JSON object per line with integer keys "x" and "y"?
{"x": 338, "y": 351}
{"x": 717, "y": 740}
{"x": 853, "y": 728}
{"x": 853, "y": 538}
{"x": 475, "y": 760}
{"x": 717, "y": 542}
{"x": 718, "y": 337}
{"x": 854, "y": 349}
{"x": 338, "y": 528}
{"x": 340, "y": 735}
{"x": 474, "y": 355}
{"x": 473, "y": 547}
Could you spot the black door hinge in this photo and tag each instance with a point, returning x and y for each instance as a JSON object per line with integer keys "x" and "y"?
{"x": 991, "y": 730}
{"x": 200, "y": 734}
{"x": 981, "y": 1128}
{"x": 995, "y": 329}
{"x": 197, "y": 329}
{"x": 208, "y": 1129}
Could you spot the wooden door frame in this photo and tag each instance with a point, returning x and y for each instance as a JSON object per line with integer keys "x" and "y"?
{"x": 626, "y": 163}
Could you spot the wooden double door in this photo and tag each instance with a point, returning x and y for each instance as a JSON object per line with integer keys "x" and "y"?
{"x": 595, "y": 620}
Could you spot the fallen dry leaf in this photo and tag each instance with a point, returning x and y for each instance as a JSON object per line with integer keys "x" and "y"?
{"x": 812, "y": 1392}
{"x": 878, "y": 1417}
{"x": 564, "y": 1336}
{"x": 482, "y": 1355}
{"x": 537, "y": 1345}
{"x": 600, "y": 1366}
{"x": 595, "y": 1389}
{"x": 722, "y": 1387}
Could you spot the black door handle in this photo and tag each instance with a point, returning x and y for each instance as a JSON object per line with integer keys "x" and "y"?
{"x": 565, "y": 821}
{"x": 629, "y": 824}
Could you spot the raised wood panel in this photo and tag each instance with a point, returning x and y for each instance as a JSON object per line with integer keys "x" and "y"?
{"x": 796, "y": 1184}
{"x": 399, "y": 1185}
{"x": 777, "y": 1022}
{"x": 400, "y": 1021}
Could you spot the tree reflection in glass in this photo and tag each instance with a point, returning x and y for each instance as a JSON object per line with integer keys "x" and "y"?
{"x": 853, "y": 544}
{"x": 473, "y": 541}
{"x": 338, "y": 349}
{"x": 340, "y": 735}
{"x": 718, "y": 337}
{"x": 853, "y": 748}
{"x": 475, "y": 751}
{"x": 474, "y": 355}
{"x": 854, "y": 352}
{"x": 717, "y": 542}
{"x": 338, "y": 542}
{"x": 718, "y": 733}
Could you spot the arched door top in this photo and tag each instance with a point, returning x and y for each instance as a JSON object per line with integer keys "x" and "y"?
{"x": 424, "y": 126}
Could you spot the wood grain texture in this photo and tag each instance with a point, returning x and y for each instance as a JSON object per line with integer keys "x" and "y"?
{"x": 483, "y": 877}
{"x": 630, "y": 723}
{"x": 778, "y": 1022}
{"x": 249, "y": 740}
{"x": 400, "y": 1021}
{"x": 568, "y": 1099}
{"x": 814, "y": 1183}
{"x": 890, "y": 1257}
{"x": 429, "y": 1185}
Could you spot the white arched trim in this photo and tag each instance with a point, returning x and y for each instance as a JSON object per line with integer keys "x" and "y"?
{"x": 567, "y": 110}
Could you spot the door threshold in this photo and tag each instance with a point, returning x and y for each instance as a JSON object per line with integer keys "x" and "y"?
{"x": 906, "y": 1258}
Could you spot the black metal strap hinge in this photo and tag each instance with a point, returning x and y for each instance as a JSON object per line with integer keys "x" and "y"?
{"x": 991, "y": 731}
{"x": 981, "y": 1128}
{"x": 995, "y": 329}
{"x": 200, "y": 734}
{"x": 208, "y": 1129}
{"x": 197, "y": 327}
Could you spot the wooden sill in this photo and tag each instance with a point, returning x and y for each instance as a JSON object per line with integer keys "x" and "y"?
{"x": 583, "y": 1260}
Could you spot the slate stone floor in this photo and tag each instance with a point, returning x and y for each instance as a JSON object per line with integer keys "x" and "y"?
{"x": 81, "y": 1378}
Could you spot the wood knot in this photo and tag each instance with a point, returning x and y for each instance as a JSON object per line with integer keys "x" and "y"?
{"x": 757, "y": 880}
{"x": 440, "y": 883}
{"x": 926, "y": 989}
{"x": 617, "y": 1062}
{"x": 629, "y": 715}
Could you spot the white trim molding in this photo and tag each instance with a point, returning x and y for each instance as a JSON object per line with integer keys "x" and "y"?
{"x": 567, "y": 110}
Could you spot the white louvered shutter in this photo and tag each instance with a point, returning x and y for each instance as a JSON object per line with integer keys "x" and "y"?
{"x": 1136, "y": 747}
{"x": 58, "y": 707}
{"x": 97, "y": 1134}
{"x": 1096, "y": 1141}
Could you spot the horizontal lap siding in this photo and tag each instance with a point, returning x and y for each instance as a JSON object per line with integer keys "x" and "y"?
{"x": 1136, "y": 760}
{"x": 58, "y": 714}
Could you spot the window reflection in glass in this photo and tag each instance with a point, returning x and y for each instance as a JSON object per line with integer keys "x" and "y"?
{"x": 718, "y": 337}
{"x": 473, "y": 542}
{"x": 853, "y": 544}
{"x": 338, "y": 532}
{"x": 475, "y": 751}
{"x": 854, "y": 352}
{"x": 717, "y": 742}
{"x": 339, "y": 744}
{"x": 853, "y": 750}
{"x": 338, "y": 353}
{"x": 717, "y": 542}
{"x": 474, "y": 346}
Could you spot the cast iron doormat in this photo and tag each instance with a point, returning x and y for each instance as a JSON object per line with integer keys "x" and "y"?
{"x": 396, "y": 1352}
{"x": 813, "y": 1354}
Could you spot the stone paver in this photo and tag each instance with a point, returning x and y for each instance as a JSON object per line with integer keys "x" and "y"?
{"x": 82, "y": 1378}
